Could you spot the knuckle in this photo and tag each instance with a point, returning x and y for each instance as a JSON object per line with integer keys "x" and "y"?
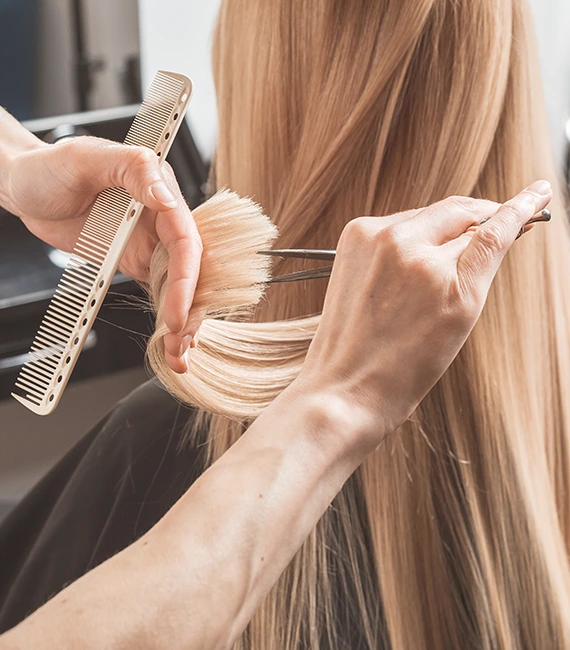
{"x": 73, "y": 146}
{"x": 81, "y": 144}
{"x": 391, "y": 241}
{"x": 355, "y": 227}
{"x": 67, "y": 143}
{"x": 72, "y": 160}
{"x": 425, "y": 273}
{"x": 463, "y": 203}
{"x": 466, "y": 314}
{"x": 355, "y": 232}
{"x": 388, "y": 235}
{"x": 458, "y": 303}
{"x": 180, "y": 244}
{"x": 91, "y": 141}
{"x": 143, "y": 159}
{"x": 511, "y": 212}
{"x": 491, "y": 236}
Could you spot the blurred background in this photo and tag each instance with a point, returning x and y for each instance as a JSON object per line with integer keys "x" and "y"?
{"x": 70, "y": 67}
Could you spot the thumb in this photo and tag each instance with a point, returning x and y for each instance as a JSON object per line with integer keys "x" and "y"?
{"x": 102, "y": 164}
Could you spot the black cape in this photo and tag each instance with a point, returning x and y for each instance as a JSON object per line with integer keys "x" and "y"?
{"x": 106, "y": 492}
{"x": 110, "y": 489}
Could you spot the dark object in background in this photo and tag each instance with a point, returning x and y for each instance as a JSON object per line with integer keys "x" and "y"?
{"x": 107, "y": 491}
{"x": 85, "y": 67}
{"x": 29, "y": 271}
{"x": 18, "y": 36}
{"x": 131, "y": 81}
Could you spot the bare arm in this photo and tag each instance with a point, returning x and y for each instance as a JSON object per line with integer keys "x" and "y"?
{"x": 196, "y": 578}
{"x": 53, "y": 187}
{"x": 14, "y": 139}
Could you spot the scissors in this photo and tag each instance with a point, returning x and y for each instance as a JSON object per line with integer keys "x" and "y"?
{"x": 325, "y": 271}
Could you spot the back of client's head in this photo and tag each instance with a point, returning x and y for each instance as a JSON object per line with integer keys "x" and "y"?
{"x": 455, "y": 532}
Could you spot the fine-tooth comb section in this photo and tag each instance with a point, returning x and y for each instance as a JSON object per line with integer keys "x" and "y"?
{"x": 96, "y": 256}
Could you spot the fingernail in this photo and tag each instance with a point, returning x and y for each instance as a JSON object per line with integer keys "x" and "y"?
{"x": 186, "y": 341}
{"x": 163, "y": 194}
{"x": 193, "y": 343}
{"x": 540, "y": 187}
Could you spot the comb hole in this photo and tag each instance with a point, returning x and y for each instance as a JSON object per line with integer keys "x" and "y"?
{"x": 73, "y": 297}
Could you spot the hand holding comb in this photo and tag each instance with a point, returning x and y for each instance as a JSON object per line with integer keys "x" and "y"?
{"x": 96, "y": 256}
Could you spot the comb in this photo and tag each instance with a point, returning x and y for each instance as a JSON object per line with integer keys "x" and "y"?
{"x": 96, "y": 256}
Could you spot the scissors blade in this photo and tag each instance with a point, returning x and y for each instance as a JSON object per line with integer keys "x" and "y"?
{"x": 297, "y": 276}
{"x": 301, "y": 253}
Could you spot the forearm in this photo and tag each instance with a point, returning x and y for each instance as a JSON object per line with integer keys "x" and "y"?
{"x": 195, "y": 579}
{"x": 14, "y": 139}
{"x": 257, "y": 505}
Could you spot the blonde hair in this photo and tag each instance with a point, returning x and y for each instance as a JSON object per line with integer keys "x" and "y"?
{"x": 455, "y": 532}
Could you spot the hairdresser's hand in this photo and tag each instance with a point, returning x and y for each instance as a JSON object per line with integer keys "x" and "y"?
{"x": 403, "y": 299}
{"x": 52, "y": 189}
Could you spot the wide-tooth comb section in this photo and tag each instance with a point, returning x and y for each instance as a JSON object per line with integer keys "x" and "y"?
{"x": 96, "y": 256}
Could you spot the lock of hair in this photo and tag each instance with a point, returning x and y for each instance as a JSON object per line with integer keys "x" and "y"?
{"x": 96, "y": 256}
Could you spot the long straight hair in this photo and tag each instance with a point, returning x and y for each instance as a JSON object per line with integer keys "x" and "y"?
{"x": 455, "y": 532}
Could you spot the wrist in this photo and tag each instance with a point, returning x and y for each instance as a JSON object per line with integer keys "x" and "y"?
{"x": 15, "y": 140}
{"x": 7, "y": 158}
{"x": 266, "y": 493}
{"x": 341, "y": 429}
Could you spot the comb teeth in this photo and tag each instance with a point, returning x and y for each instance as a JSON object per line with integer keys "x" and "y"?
{"x": 99, "y": 248}
{"x": 159, "y": 103}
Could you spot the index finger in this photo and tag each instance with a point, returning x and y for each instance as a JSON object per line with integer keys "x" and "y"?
{"x": 177, "y": 231}
{"x": 490, "y": 242}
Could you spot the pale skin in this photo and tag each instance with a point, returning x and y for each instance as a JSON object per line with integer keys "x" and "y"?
{"x": 196, "y": 578}
{"x": 53, "y": 187}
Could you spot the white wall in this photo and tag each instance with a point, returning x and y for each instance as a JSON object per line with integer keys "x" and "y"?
{"x": 552, "y": 19}
{"x": 176, "y": 34}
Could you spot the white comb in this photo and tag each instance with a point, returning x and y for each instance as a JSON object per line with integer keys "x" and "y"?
{"x": 96, "y": 256}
